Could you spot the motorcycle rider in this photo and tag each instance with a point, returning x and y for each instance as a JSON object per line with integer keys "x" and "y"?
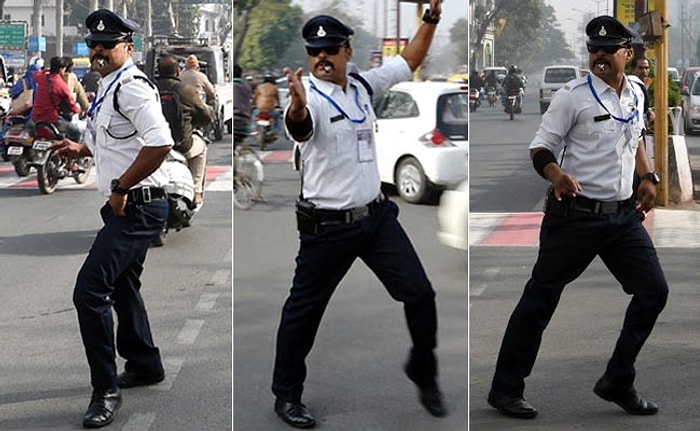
{"x": 198, "y": 79}
{"x": 512, "y": 84}
{"x": 475, "y": 81}
{"x": 53, "y": 98}
{"x": 195, "y": 114}
{"x": 267, "y": 99}
{"x": 28, "y": 82}
{"x": 74, "y": 85}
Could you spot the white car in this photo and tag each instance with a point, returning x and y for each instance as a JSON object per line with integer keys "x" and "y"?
{"x": 691, "y": 107}
{"x": 422, "y": 138}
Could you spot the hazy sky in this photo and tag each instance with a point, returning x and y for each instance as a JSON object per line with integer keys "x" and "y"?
{"x": 452, "y": 10}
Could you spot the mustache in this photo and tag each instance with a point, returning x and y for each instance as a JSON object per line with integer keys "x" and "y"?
{"x": 99, "y": 58}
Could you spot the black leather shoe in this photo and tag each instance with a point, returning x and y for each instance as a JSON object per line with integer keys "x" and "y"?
{"x": 130, "y": 379}
{"x": 628, "y": 398}
{"x": 294, "y": 414}
{"x": 104, "y": 404}
{"x": 510, "y": 406}
{"x": 429, "y": 394}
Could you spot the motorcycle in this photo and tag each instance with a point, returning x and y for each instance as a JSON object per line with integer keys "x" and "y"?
{"x": 491, "y": 96}
{"x": 181, "y": 192}
{"x": 474, "y": 99}
{"x": 264, "y": 133}
{"x": 18, "y": 142}
{"x": 50, "y": 168}
{"x": 513, "y": 103}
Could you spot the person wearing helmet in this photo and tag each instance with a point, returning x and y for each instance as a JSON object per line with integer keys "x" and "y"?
{"x": 512, "y": 83}
{"x": 267, "y": 99}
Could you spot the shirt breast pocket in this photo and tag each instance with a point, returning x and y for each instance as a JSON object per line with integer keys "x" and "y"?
{"x": 116, "y": 126}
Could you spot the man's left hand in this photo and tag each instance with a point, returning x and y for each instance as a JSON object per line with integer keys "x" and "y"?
{"x": 117, "y": 202}
{"x": 646, "y": 196}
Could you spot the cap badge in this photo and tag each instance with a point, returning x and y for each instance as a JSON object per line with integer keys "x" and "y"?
{"x": 100, "y": 26}
{"x": 321, "y": 32}
{"x": 602, "y": 31}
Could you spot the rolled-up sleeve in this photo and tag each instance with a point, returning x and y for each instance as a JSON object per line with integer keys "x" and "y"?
{"x": 556, "y": 122}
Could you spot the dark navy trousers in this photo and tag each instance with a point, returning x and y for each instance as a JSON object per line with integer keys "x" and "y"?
{"x": 110, "y": 277}
{"x": 323, "y": 260}
{"x": 567, "y": 247}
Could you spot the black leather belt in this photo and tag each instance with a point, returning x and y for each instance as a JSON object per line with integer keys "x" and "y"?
{"x": 144, "y": 195}
{"x": 348, "y": 216}
{"x": 591, "y": 206}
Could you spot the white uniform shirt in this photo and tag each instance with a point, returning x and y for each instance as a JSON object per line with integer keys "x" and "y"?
{"x": 599, "y": 150}
{"x": 338, "y": 163}
{"x": 113, "y": 140}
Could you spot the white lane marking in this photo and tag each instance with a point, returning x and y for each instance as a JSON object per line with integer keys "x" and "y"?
{"x": 140, "y": 422}
{"x": 190, "y": 332}
{"x": 172, "y": 368}
{"x": 220, "y": 278}
{"x": 206, "y": 302}
{"x": 223, "y": 182}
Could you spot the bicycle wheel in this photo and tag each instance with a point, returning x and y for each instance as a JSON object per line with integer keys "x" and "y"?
{"x": 248, "y": 178}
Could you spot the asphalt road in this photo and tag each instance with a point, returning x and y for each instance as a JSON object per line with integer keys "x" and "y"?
{"x": 581, "y": 336}
{"x": 44, "y": 383}
{"x": 355, "y": 378}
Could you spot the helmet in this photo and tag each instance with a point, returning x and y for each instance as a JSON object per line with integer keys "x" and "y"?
{"x": 268, "y": 78}
{"x": 513, "y": 69}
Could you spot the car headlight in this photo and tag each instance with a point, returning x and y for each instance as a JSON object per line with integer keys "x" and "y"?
{"x": 695, "y": 108}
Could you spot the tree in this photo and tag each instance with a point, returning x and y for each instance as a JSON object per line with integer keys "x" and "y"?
{"x": 491, "y": 12}
{"x": 549, "y": 48}
{"x": 271, "y": 27}
{"x": 459, "y": 36}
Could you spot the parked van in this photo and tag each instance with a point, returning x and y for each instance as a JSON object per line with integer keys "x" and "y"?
{"x": 553, "y": 78}
{"x": 674, "y": 75}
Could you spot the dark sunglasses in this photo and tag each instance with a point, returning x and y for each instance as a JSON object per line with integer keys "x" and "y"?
{"x": 330, "y": 50}
{"x": 608, "y": 49}
{"x": 109, "y": 44}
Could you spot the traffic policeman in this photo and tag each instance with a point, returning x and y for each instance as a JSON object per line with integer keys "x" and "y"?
{"x": 129, "y": 141}
{"x": 341, "y": 212}
{"x": 594, "y": 126}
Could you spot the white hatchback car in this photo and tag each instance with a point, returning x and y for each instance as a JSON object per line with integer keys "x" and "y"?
{"x": 422, "y": 138}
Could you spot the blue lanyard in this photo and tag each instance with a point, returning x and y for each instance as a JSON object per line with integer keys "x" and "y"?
{"x": 336, "y": 106}
{"x": 97, "y": 103}
{"x": 600, "y": 102}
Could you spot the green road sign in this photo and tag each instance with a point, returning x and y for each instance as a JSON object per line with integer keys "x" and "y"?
{"x": 13, "y": 35}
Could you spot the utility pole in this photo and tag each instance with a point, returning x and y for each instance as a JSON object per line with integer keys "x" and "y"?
{"x": 59, "y": 28}
{"x": 661, "y": 108}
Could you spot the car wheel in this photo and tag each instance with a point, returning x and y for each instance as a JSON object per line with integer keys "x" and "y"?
{"x": 411, "y": 182}
{"x": 543, "y": 108}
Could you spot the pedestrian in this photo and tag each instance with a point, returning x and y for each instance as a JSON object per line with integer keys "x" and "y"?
{"x": 129, "y": 139}
{"x": 342, "y": 213}
{"x": 594, "y": 125}
{"x": 640, "y": 69}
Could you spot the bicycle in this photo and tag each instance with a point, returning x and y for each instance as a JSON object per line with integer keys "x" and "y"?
{"x": 248, "y": 176}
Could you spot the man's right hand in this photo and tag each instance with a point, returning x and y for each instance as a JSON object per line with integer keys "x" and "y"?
{"x": 297, "y": 94}
{"x": 67, "y": 148}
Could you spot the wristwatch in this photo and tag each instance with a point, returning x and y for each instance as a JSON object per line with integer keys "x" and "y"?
{"x": 653, "y": 177}
{"x": 428, "y": 19}
{"x": 116, "y": 188}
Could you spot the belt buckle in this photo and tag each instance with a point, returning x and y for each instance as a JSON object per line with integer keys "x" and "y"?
{"x": 356, "y": 214}
{"x": 146, "y": 194}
